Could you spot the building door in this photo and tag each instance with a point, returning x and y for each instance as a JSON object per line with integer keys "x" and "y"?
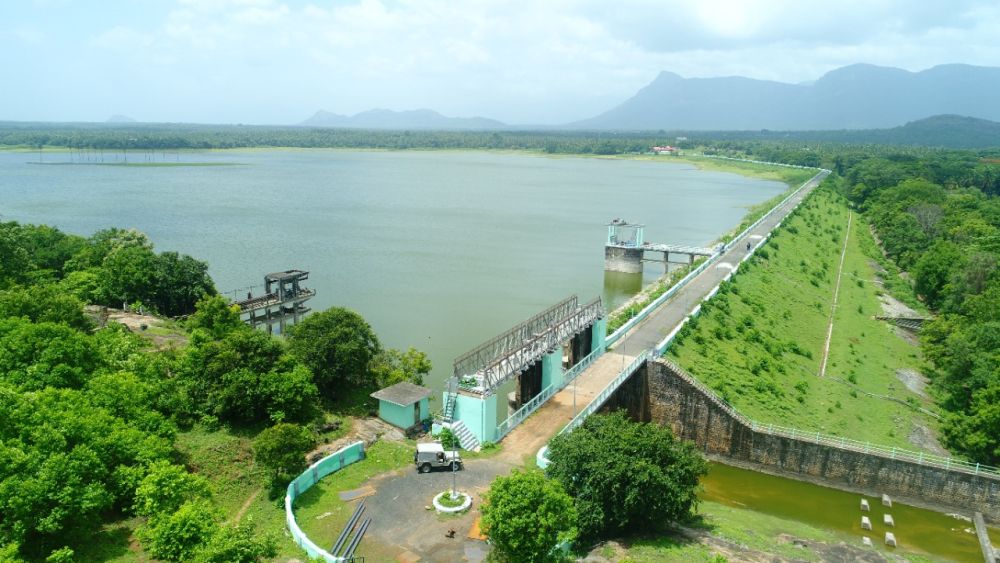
{"x": 416, "y": 413}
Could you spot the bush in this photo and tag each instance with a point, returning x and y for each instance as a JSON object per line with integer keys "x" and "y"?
{"x": 626, "y": 476}
{"x": 175, "y": 537}
{"x": 448, "y": 439}
{"x": 338, "y": 346}
{"x": 166, "y": 487}
{"x": 525, "y": 515}
{"x": 282, "y": 449}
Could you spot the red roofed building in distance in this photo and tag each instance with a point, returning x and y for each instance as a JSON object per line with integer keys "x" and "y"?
{"x": 665, "y": 149}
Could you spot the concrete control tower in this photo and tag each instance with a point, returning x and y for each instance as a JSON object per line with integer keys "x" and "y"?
{"x": 283, "y": 301}
{"x": 623, "y": 249}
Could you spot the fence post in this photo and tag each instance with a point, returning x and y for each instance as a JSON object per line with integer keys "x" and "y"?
{"x": 894, "y": 452}
{"x": 977, "y": 469}
{"x": 920, "y": 460}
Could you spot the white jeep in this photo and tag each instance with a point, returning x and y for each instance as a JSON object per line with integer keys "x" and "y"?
{"x": 432, "y": 455}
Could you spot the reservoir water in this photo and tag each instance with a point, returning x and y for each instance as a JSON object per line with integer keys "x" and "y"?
{"x": 438, "y": 250}
{"x": 937, "y": 536}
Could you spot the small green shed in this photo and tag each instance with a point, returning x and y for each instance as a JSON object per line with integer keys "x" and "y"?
{"x": 403, "y": 404}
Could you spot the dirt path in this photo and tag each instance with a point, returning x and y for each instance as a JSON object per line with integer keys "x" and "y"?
{"x": 246, "y": 505}
{"x": 836, "y": 295}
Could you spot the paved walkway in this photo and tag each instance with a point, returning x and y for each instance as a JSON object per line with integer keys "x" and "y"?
{"x": 524, "y": 441}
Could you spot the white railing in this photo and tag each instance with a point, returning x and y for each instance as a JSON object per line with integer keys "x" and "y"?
{"x": 891, "y": 452}
{"x": 538, "y": 400}
{"x": 608, "y": 390}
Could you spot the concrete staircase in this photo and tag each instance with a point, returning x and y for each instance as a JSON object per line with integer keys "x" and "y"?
{"x": 466, "y": 439}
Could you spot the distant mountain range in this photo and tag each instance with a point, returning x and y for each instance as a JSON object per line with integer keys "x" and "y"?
{"x": 859, "y": 96}
{"x": 388, "y": 119}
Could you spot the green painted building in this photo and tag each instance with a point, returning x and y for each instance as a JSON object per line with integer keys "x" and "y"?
{"x": 403, "y": 404}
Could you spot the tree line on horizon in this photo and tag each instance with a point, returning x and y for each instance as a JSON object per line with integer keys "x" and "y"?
{"x": 799, "y": 147}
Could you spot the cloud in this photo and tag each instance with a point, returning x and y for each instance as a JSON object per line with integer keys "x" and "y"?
{"x": 519, "y": 61}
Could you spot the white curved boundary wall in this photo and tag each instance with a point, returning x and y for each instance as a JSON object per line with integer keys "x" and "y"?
{"x": 329, "y": 464}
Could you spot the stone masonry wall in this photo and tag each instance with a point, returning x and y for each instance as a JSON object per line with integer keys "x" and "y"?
{"x": 674, "y": 400}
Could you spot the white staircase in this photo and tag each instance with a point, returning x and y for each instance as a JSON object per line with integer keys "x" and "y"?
{"x": 466, "y": 438}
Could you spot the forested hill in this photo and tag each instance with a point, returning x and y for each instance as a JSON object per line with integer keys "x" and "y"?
{"x": 953, "y": 131}
{"x": 853, "y": 97}
{"x": 947, "y": 131}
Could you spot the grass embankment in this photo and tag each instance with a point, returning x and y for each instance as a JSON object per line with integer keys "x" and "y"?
{"x": 759, "y": 343}
{"x": 743, "y": 529}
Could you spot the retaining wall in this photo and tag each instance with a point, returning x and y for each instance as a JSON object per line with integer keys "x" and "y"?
{"x": 677, "y": 401}
{"x": 329, "y": 464}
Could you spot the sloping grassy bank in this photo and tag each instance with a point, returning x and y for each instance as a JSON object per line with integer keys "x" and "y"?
{"x": 760, "y": 342}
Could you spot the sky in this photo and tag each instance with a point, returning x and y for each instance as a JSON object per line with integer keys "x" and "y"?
{"x": 521, "y": 62}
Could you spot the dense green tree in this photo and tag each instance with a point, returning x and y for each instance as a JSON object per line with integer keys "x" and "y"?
{"x": 934, "y": 270}
{"x": 282, "y": 449}
{"x": 240, "y": 349}
{"x": 15, "y": 260}
{"x": 166, "y": 487}
{"x": 44, "y": 303}
{"x": 215, "y": 316}
{"x": 63, "y": 463}
{"x": 50, "y": 248}
{"x": 179, "y": 535}
{"x": 526, "y": 515}
{"x": 236, "y": 544}
{"x": 180, "y": 282}
{"x": 976, "y": 433}
{"x": 38, "y": 355}
{"x": 128, "y": 274}
{"x": 129, "y": 397}
{"x": 626, "y": 476}
{"x": 338, "y": 346}
{"x": 392, "y": 366}
{"x": 101, "y": 244}
{"x": 82, "y": 284}
{"x": 244, "y": 395}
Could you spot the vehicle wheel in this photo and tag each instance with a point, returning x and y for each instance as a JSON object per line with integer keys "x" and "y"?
{"x": 425, "y": 468}
{"x": 454, "y": 466}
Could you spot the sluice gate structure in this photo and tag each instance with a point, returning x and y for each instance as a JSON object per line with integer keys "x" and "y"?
{"x": 541, "y": 354}
{"x": 283, "y": 302}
